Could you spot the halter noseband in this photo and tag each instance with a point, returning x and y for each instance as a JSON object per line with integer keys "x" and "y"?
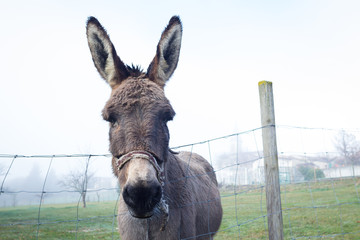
{"x": 163, "y": 206}
{"x": 120, "y": 162}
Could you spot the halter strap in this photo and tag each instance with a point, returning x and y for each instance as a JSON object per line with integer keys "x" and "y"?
{"x": 120, "y": 162}
{"x": 163, "y": 206}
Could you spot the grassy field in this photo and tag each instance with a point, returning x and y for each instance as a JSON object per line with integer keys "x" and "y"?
{"x": 322, "y": 210}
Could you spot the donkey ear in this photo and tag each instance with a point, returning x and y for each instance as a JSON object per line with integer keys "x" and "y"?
{"x": 104, "y": 56}
{"x": 167, "y": 53}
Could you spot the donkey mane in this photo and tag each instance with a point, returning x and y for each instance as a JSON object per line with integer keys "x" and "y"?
{"x": 135, "y": 70}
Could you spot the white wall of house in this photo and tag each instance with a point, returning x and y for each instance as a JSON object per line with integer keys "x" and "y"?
{"x": 337, "y": 172}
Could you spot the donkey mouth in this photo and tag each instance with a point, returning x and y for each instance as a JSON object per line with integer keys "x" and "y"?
{"x": 141, "y": 215}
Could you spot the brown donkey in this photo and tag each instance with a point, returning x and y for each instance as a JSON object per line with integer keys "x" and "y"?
{"x": 165, "y": 195}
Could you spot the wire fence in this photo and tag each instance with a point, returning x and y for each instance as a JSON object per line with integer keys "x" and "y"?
{"x": 43, "y": 196}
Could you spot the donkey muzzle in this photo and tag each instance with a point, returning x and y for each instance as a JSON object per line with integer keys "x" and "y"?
{"x": 141, "y": 200}
{"x": 145, "y": 181}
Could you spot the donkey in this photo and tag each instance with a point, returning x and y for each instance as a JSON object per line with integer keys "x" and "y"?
{"x": 164, "y": 194}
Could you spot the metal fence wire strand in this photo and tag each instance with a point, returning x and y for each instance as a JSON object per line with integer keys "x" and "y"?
{"x": 320, "y": 190}
{"x": 83, "y": 194}
{"x": 339, "y": 209}
{"x": 113, "y": 226}
{"x": 208, "y": 195}
{"x": 235, "y": 185}
{"x": 315, "y": 209}
{"x": 6, "y": 174}
{"x": 41, "y": 198}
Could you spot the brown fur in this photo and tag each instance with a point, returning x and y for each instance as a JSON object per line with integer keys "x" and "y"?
{"x": 195, "y": 208}
{"x": 138, "y": 112}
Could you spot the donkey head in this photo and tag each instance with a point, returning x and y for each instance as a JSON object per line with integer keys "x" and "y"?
{"x": 138, "y": 112}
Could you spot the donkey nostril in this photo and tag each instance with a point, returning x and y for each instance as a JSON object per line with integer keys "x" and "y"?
{"x": 133, "y": 196}
{"x": 142, "y": 198}
{"x": 129, "y": 193}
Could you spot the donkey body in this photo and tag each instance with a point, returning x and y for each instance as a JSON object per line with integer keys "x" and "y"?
{"x": 165, "y": 195}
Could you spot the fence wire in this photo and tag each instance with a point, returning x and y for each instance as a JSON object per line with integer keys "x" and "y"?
{"x": 39, "y": 198}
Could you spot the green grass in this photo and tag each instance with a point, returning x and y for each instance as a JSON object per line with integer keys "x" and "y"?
{"x": 60, "y": 222}
{"x": 327, "y": 210}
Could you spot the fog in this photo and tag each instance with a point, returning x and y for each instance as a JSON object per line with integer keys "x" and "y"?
{"x": 51, "y": 95}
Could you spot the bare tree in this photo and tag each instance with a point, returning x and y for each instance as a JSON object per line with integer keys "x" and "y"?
{"x": 14, "y": 200}
{"x": 78, "y": 180}
{"x": 348, "y": 147}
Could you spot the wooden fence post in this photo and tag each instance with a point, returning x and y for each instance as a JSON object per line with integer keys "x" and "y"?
{"x": 272, "y": 181}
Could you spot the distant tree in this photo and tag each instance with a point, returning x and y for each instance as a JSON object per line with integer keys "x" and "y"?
{"x": 348, "y": 147}
{"x": 14, "y": 200}
{"x": 98, "y": 196}
{"x": 33, "y": 181}
{"x": 78, "y": 180}
{"x": 310, "y": 173}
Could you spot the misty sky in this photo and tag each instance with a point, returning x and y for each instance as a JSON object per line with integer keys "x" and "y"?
{"x": 51, "y": 95}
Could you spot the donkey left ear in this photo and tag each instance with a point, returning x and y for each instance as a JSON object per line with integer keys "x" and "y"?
{"x": 104, "y": 56}
{"x": 167, "y": 53}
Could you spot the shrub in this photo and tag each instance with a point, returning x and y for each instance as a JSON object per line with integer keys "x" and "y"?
{"x": 308, "y": 173}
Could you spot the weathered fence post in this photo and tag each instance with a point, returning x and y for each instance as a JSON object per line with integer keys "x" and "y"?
{"x": 273, "y": 198}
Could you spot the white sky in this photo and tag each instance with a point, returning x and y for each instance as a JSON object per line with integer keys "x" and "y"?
{"x": 51, "y": 96}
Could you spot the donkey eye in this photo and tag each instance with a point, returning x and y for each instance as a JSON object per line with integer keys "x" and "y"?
{"x": 167, "y": 116}
{"x": 112, "y": 120}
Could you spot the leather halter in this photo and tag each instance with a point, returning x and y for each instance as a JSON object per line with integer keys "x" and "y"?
{"x": 163, "y": 206}
{"x": 120, "y": 162}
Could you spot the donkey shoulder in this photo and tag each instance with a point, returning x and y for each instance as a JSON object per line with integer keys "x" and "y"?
{"x": 197, "y": 165}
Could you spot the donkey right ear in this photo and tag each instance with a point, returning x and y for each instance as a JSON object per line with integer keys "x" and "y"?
{"x": 167, "y": 53}
{"x": 104, "y": 56}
